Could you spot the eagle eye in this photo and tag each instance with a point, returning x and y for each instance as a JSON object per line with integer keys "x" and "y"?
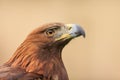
{"x": 50, "y": 32}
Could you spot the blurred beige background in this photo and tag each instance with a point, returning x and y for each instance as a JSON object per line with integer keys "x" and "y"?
{"x": 97, "y": 57}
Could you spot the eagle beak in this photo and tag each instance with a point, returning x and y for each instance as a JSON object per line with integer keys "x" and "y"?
{"x": 75, "y": 30}
{"x": 71, "y": 31}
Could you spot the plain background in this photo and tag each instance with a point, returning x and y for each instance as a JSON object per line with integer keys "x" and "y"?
{"x": 97, "y": 57}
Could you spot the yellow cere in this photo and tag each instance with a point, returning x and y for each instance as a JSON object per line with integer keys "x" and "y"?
{"x": 64, "y": 36}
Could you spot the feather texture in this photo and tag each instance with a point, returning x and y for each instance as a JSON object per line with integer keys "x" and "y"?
{"x": 38, "y": 57}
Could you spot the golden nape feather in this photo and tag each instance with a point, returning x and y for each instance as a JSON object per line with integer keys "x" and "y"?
{"x": 39, "y": 56}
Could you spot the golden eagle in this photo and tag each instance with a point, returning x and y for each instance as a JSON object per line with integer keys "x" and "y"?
{"x": 39, "y": 56}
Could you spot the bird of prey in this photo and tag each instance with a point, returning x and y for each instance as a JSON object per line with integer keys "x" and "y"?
{"x": 39, "y": 56}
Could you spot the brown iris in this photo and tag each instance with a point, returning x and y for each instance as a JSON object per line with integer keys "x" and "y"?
{"x": 50, "y": 32}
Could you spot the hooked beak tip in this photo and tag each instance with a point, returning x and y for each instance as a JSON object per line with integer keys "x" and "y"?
{"x": 76, "y": 30}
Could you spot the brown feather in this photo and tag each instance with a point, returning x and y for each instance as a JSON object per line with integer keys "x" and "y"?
{"x": 37, "y": 57}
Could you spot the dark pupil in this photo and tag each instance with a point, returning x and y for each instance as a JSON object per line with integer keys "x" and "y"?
{"x": 50, "y": 32}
